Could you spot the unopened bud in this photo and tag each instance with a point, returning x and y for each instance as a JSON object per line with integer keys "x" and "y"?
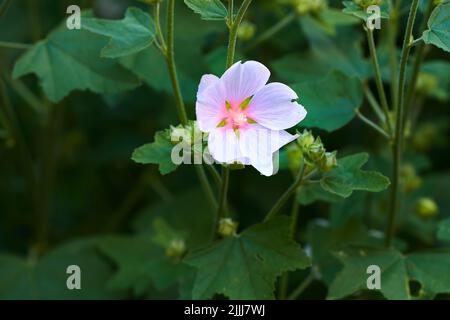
{"x": 246, "y": 30}
{"x": 410, "y": 180}
{"x": 305, "y": 140}
{"x": 316, "y": 151}
{"x": 227, "y": 227}
{"x": 426, "y": 208}
{"x": 309, "y": 6}
{"x": 328, "y": 162}
{"x": 176, "y": 248}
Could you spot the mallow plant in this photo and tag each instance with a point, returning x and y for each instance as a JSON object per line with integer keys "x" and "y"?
{"x": 245, "y": 117}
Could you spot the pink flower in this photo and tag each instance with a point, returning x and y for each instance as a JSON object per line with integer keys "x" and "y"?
{"x": 245, "y": 117}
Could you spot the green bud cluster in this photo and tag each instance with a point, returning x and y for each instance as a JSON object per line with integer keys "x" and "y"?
{"x": 312, "y": 151}
{"x": 303, "y": 7}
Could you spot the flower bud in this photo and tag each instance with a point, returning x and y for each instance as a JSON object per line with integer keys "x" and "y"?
{"x": 227, "y": 227}
{"x": 426, "y": 208}
{"x": 409, "y": 178}
{"x": 328, "y": 162}
{"x": 316, "y": 151}
{"x": 309, "y": 6}
{"x": 366, "y": 3}
{"x": 305, "y": 140}
{"x": 246, "y": 30}
{"x": 176, "y": 248}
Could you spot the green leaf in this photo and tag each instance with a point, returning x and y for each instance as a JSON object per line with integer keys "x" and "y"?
{"x": 330, "y": 102}
{"x": 69, "y": 60}
{"x": 438, "y": 32}
{"x": 149, "y": 65}
{"x": 246, "y": 266}
{"x": 353, "y": 9}
{"x": 348, "y": 176}
{"x": 444, "y": 230}
{"x": 46, "y": 278}
{"x": 344, "y": 47}
{"x": 190, "y": 224}
{"x": 132, "y": 34}
{"x": 208, "y": 9}
{"x": 141, "y": 264}
{"x": 429, "y": 268}
{"x": 326, "y": 240}
{"x": 310, "y": 193}
{"x": 353, "y": 277}
{"x": 158, "y": 152}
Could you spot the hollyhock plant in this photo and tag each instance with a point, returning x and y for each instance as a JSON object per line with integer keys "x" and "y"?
{"x": 245, "y": 116}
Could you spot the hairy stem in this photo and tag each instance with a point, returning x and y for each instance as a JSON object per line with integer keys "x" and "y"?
{"x": 170, "y": 58}
{"x": 371, "y": 124}
{"x": 418, "y": 59}
{"x": 399, "y": 134}
{"x": 233, "y": 25}
{"x": 159, "y": 33}
{"x": 223, "y": 192}
{"x": 374, "y": 103}
{"x": 170, "y": 61}
{"x": 378, "y": 80}
{"x": 233, "y": 32}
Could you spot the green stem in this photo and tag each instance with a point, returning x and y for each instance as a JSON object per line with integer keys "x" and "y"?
{"x": 223, "y": 192}
{"x": 374, "y": 103}
{"x": 230, "y": 13}
{"x": 371, "y": 124}
{"x": 392, "y": 33}
{"x": 15, "y": 45}
{"x": 170, "y": 59}
{"x": 216, "y": 176}
{"x": 159, "y": 34}
{"x": 399, "y": 134}
{"x": 286, "y": 195}
{"x": 418, "y": 59}
{"x": 233, "y": 32}
{"x": 233, "y": 25}
{"x": 267, "y": 34}
{"x": 284, "y": 282}
{"x": 378, "y": 80}
{"x": 301, "y": 287}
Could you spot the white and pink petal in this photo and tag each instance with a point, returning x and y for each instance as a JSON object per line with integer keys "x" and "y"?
{"x": 243, "y": 80}
{"x": 274, "y": 107}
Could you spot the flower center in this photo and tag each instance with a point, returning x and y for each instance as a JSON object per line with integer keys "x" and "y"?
{"x": 237, "y": 118}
